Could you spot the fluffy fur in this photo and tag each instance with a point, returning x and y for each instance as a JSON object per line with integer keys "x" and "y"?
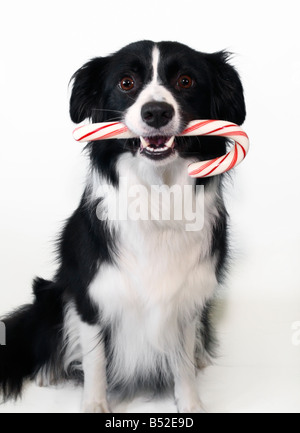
{"x": 129, "y": 307}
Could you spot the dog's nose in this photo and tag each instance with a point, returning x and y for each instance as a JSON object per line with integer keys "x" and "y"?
{"x": 157, "y": 114}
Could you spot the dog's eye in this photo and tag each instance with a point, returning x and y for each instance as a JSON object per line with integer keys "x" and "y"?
{"x": 185, "y": 82}
{"x": 127, "y": 83}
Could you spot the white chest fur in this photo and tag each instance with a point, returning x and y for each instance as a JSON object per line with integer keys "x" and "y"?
{"x": 162, "y": 275}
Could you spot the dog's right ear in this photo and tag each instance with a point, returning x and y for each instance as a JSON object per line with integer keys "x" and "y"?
{"x": 87, "y": 93}
{"x": 227, "y": 91}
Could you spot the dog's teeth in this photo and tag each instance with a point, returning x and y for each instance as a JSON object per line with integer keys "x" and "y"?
{"x": 144, "y": 143}
{"x": 169, "y": 144}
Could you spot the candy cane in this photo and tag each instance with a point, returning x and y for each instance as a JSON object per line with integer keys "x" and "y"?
{"x": 212, "y": 167}
{"x": 102, "y": 131}
{"x": 225, "y": 162}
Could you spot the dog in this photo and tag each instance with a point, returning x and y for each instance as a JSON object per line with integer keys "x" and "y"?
{"x": 130, "y": 305}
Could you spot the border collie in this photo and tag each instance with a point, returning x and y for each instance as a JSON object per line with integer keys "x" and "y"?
{"x": 130, "y": 305}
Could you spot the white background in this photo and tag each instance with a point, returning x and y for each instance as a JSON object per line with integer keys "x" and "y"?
{"x": 42, "y": 173}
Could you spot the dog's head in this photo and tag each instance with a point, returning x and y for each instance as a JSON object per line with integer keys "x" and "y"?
{"x": 156, "y": 89}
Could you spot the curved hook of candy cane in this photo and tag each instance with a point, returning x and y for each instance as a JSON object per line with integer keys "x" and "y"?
{"x": 213, "y": 167}
{"x": 225, "y": 162}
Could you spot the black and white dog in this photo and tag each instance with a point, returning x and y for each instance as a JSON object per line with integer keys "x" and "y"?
{"x": 130, "y": 305}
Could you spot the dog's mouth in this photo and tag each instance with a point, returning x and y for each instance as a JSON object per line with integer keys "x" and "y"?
{"x": 158, "y": 147}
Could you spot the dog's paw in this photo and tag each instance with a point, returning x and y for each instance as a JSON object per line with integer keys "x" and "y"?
{"x": 96, "y": 407}
{"x": 190, "y": 407}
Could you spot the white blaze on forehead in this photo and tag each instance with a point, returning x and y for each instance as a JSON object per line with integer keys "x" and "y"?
{"x": 156, "y": 91}
{"x": 153, "y": 91}
{"x": 155, "y": 63}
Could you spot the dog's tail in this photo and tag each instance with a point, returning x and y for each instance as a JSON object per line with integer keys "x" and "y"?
{"x": 34, "y": 340}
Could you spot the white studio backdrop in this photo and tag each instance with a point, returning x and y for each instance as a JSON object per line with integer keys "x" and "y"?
{"x": 42, "y": 173}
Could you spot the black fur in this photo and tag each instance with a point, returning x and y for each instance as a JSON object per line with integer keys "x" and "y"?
{"x": 34, "y": 332}
{"x": 33, "y": 339}
{"x": 84, "y": 244}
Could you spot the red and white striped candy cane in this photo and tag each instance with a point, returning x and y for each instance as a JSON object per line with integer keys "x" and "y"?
{"x": 225, "y": 162}
{"x": 102, "y": 131}
{"x": 212, "y": 167}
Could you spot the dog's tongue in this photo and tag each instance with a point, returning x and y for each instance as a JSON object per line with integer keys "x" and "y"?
{"x": 158, "y": 141}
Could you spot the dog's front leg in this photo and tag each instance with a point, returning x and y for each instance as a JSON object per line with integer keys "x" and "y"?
{"x": 94, "y": 369}
{"x": 186, "y": 393}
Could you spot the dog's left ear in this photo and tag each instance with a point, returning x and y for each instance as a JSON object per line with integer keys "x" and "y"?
{"x": 87, "y": 93}
{"x": 227, "y": 91}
